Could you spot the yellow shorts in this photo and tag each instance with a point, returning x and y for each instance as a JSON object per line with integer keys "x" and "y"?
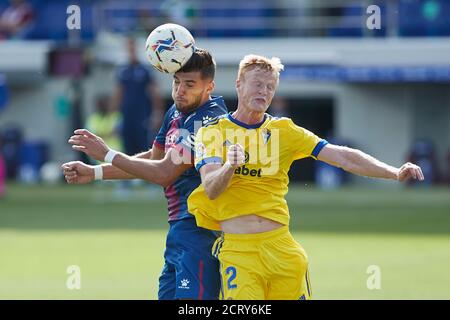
{"x": 263, "y": 266}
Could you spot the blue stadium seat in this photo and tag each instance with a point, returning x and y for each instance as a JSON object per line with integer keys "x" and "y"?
{"x": 413, "y": 21}
{"x": 51, "y": 16}
{"x": 350, "y": 12}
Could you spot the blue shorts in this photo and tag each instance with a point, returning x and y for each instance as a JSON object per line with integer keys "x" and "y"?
{"x": 190, "y": 271}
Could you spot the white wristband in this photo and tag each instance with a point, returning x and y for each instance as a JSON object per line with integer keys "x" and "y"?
{"x": 110, "y": 156}
{"x": 98, "y": 173}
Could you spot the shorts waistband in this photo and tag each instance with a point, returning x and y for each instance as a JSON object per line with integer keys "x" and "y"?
{"x": 257, "y": 236}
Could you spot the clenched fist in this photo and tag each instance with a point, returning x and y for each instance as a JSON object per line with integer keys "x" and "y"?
{"x": 236, "y": 155}
{"x": 410, "y": 171}
{"x": 77, "y": 172}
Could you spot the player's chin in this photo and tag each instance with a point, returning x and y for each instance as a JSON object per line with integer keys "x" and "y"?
{"x": 260, "y": 107}
{"x": 185, "y": 108}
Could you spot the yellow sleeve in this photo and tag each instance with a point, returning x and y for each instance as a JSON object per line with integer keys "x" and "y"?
{"x": 304, "y": 143}
{"x": 208, "y": 146}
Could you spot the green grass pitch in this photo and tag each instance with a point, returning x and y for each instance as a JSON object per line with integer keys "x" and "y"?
{"x": 119, "y": 245}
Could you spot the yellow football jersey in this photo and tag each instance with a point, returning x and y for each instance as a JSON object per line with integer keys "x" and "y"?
{"x": 259, "y": 186}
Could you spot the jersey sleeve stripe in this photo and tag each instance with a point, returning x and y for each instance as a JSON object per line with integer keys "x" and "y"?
{"x": 208, "y": 161}
{"x": 158, "y": 145}
{"x": 319, "y": 147}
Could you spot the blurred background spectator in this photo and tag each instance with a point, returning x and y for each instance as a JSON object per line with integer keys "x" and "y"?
{"x": 139, "y": 101}
{"x": 106, "y": 122}
{"x": 424, "y": 155}
{"x": 12, "y": 138}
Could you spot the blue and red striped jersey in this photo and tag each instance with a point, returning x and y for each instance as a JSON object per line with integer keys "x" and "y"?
{"x": 178, "y": 131}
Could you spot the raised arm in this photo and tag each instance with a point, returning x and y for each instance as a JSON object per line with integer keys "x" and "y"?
{"x": 160, "y": 171}
{"x": 113, "y": 173}
{"x": 360, "y": 163}
{"x": 77, "y": 172}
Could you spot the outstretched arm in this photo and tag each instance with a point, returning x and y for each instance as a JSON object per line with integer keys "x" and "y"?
{"x": 113, "y": 173}
{"x": 77, "y": 172}
{"x": 360, "y": 163}
{"x": 162, "y": 172}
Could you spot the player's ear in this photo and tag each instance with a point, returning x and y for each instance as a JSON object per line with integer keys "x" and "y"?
{"x": 211, "y": 87}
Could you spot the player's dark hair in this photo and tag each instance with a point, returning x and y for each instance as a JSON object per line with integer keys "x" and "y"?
{"x": 202, "y": 61}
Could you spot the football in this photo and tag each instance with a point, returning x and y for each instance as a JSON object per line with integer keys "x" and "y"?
{"x": 169, "y": 47}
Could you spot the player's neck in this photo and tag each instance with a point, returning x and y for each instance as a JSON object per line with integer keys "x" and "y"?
{"x": 248, "y": 117}
{"x": 204, "y": 100}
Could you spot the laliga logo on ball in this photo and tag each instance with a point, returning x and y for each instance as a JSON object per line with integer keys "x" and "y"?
{"x": 169, "y": 47}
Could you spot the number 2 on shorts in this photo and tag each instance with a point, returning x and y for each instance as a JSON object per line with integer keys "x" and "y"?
{"x": 232, "y": 271}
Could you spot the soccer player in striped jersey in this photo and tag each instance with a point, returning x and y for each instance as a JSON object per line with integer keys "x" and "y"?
{"x": 190, "y": 271}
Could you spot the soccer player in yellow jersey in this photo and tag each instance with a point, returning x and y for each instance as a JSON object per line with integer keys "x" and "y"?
{"x": 243, "y": 159}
